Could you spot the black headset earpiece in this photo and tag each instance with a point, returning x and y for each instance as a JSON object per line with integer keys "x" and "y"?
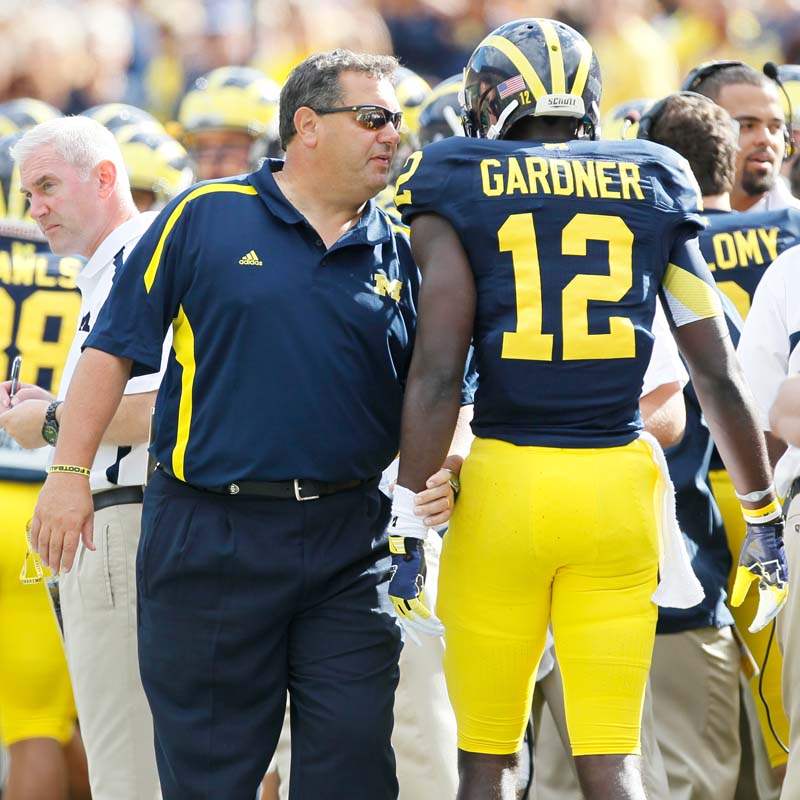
{"x": 706, "y": 70}
{"x": 771, "y": 71}
{"x": 649, "y": 119}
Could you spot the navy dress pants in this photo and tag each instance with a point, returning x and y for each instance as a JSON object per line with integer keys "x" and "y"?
{"x": 242, "y": 599}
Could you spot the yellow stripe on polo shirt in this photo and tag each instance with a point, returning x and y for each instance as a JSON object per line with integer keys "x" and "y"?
{"x": 211, "y": 188}
{"x": 183, "y": 345}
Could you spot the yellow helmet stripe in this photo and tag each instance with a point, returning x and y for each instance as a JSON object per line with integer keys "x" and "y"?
{"x": 558, "y": 84}
{"x": 518, "y": 59}
{"x": 439, "y": 91}
{"x": 579, "y": 84}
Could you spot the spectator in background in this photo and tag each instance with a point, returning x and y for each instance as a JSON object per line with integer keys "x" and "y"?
{"x": 637, "y": 60}
{"x": 706, "y": 30}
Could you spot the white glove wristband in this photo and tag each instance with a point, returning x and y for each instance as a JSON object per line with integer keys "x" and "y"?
{"x": 404, "y": 521}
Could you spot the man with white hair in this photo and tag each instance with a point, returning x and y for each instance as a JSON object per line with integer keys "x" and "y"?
{"x": 73, "y": 174}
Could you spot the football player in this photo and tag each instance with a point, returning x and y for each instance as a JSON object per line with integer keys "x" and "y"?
{"x": 549, "y": 249}
{"x": 157, "y": 165}
{"x": 737, "y": 247}
{"x": 440, "y": 114}
{"x": 223, "y": 115}
{"x": 115, "y": 116}
{"x": 24, "y": 113}
{"x": 39, "y": 308}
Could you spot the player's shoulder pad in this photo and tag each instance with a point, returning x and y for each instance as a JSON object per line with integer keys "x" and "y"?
{"x": 674, "y": 186}
{"x": 430, "y": 176}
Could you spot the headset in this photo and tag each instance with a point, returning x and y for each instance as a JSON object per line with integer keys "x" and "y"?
{"x": 649, "y": 119}
{"x": 704, "y": 71}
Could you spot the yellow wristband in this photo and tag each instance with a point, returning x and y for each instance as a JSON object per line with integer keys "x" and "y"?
{"x": 70, "y": 469}
{"x": 766, "y": 513}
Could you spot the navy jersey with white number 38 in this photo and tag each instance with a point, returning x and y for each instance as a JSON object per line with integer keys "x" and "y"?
{"x": 570, "y": 244}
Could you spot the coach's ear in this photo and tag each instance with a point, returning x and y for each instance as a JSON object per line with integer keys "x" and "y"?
{"x": 306, "y": 123}
{"x": 106, "y": 176}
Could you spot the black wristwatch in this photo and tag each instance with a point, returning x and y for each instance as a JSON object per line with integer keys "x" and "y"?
{"x": 50, "y": 427}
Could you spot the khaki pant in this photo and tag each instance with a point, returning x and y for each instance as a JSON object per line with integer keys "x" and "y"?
{"x": 695, "y": 685}
{"x": 757, "y": 778}
{"x": 789, "y": 635}
{"x": 98, "y": 603}
{"x": 553, "y": 768}
{"x": 424, "y": 736}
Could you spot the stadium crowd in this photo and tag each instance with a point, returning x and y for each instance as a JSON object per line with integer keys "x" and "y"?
{"x": 621, "y": 489}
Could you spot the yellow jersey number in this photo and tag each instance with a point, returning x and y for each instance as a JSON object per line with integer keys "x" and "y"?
{"x": 36, "y": 352}
{"x": 412, "y": 165}
{"x": 517, "y": 235}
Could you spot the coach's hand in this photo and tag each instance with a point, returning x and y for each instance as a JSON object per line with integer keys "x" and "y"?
{"x": 762, "y": 559}
{"x": 436, "y": 501}
{"x": 23, "y": 423}
{"x": 64, "y": 515}
{"x": 407, "y": 534}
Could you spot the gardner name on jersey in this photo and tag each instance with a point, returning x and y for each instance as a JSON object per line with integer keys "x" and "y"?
{"x": 569, "y": 244}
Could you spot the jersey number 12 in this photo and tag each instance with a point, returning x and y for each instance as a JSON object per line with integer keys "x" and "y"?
{"x": 517, "y": 235}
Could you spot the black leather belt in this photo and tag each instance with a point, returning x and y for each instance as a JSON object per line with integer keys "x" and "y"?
{"x": 296, "y": 489}
{"x": 122, "y": 496}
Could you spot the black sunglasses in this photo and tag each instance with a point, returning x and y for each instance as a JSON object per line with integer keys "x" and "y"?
{"x": 368, "y": 115}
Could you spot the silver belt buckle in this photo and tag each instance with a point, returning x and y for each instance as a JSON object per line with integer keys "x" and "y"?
{"x": 298, "y": 496}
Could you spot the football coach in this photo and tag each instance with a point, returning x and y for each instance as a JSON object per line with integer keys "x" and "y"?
{"x": 263, "y": 561}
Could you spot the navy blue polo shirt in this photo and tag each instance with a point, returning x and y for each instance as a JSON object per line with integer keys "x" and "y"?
{"x": 289, "y": 358}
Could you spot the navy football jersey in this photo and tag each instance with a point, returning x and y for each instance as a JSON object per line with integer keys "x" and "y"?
{"x": 569, "y": 245}
{"x": 39, "y": 307}
{"x": 739, "y": 246}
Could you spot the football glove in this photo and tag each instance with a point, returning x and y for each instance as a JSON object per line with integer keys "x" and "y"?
{"x": 762, "y": 559}
{"x": 407, "y": 534}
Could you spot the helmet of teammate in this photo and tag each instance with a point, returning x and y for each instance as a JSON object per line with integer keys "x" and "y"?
{"x": 24, "y": 113}
{"x": 622, "y": 122}
{"x": 531, "y": 67}
{"x": 119, "y": 115}
{"x": 156, "y": 164}
{"x": 440, "y": 113}
{"x": 12, "y": 202}
{"x": 411, "y": 91}
{"x": 229, "y": 98}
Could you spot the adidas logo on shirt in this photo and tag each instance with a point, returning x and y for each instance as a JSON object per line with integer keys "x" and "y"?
{"x": 251, "y": 260}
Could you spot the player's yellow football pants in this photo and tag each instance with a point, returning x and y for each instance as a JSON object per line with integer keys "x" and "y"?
{"x": 744, "y": 614}
{"x": 35, "y": 691}
{"x": 540, "y": 535}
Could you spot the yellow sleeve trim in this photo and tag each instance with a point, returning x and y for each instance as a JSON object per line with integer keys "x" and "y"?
{"x": 155, "y": 260}
{"x": 183, "y": 345}
{"x": 700, "y": 300}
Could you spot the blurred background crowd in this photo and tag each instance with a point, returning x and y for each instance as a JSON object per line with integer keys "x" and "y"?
{"x": 75, "y": 54}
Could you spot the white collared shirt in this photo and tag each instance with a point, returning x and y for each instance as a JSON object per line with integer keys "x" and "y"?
{"x": 113, "y": 466}
{"x": 779, "y": 196}
{"x": 665, "y": 364}
{"x": 768, "y": 348}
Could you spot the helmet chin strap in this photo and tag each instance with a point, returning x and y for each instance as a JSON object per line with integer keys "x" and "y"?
{"x": 494, "y": 130}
